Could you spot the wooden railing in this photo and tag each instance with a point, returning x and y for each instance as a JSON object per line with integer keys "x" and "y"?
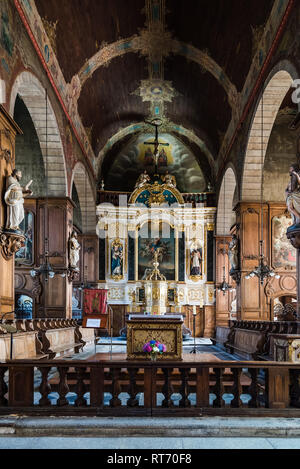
{"x": 61, "y": 387}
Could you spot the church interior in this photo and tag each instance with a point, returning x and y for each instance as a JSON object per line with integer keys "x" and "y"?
{"x": 150, "y": 208}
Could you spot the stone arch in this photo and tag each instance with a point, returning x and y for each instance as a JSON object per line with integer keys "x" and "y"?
{"x": 225, "y": 203}
{"x": 140, "y": 127}
{"x": 278, "y": 84}
{"x": 29, "y": 88}
{"x": 86, "y": 197}
{"x": 2, "y": 91}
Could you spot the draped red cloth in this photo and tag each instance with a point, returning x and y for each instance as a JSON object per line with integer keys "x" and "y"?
{"x": 95, "y": 301}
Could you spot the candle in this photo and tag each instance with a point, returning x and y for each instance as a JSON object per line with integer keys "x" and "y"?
{"x": 194, "y": 310}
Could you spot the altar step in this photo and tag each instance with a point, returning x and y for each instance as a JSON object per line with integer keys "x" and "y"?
{"x": 104, "y": 427}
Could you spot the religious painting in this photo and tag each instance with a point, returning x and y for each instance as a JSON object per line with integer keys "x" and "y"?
{"x": 283, "y": 253}
{"x": 148, "y": 157}
{"x": 25, "y": 254}
{"x": 156, "y": 237}
{"x": 116, "y": 259}
{"x": 195, "y": 257}
{"x": 173, "y": 156}
{"x": 95, "y": 301}
{"x": 141, "y": 295}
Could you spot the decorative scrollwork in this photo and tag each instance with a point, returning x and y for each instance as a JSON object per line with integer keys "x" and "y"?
{"x": 10, "y": 243}
{"x": 73, "y": 274}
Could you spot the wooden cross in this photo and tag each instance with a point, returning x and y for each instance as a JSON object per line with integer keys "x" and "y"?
{"x": 156, "y": 143}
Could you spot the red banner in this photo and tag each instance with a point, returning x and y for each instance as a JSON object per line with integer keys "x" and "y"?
{"x": 95, "y": 301}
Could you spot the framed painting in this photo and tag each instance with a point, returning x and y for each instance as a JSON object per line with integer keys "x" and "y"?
{"x": 283, "y": 253}
{"x": 25, "y": 254}
{"x": 151, "y": 239}
{"x": 195, "y": 260}
{"x": 116, "y": 259}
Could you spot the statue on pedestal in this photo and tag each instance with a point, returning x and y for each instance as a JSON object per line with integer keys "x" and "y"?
{"x": 292, "y": 193}
{"x": 74, "y": 248}
{"x": 143, "y": 179}
{"x": 14, "y": 199}
{"x": 169, "y": 179}
{"x": 233, "y": 253}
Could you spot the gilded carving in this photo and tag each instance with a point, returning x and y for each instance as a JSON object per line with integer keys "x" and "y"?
{"x": 166, "y": 333}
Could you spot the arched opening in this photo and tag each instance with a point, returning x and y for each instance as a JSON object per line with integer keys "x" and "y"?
{"x": 273, "y": 95}
{"x": 81, "y": 184}
{"x": 225, "y": 214}
{"x": 33, "y": 95}
{"x": 24, "y": 305}
{"x": 29, "y": 157}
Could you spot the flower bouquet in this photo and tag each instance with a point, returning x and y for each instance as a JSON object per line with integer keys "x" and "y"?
{"x": 153, "y": 347}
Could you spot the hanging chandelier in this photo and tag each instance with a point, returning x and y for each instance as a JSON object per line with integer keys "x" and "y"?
{"x": 46, "y": 270}
{"x": 224, "y": 286}
{"x": 262, "y": 271}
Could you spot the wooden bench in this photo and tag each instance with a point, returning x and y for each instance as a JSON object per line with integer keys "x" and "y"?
{"x": 247, "y": 343}
{"x": 57, "y": 342}
{"x": 21, "y": 345}
{"x": 221, "y": 338}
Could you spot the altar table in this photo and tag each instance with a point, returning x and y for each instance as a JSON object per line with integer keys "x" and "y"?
{"x": 167, "y": 329}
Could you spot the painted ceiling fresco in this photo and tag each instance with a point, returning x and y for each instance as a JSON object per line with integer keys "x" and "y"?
{"x": 136, "y": 157}
{"x": 184, "y": 62}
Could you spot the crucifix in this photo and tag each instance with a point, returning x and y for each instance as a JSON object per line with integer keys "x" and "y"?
{"x": 156, "y": 143}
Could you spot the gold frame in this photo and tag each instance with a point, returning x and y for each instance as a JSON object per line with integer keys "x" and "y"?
{"x": 109, "y": 244}
{"x": 207, "y": 227}
{"x": 194, "y": 278}
{"x": 137, "y": 228}
{"x": 150, "y": 187}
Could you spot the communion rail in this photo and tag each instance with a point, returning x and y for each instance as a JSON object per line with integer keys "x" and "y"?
{"x": 123, "y": 388}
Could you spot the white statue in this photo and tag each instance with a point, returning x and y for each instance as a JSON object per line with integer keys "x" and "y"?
{"x": 14, "y": 199}
{"x": 169, "y": 179}
{"x": 143, "y": 179}
{"x": 233, "y": 252}
{"x": 74, "y": 248}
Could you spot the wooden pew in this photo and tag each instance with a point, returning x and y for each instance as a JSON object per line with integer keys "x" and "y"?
{"x": 247, "y": 343}
{"x": 221, "y": 338}
{"x": 21, "y": 344}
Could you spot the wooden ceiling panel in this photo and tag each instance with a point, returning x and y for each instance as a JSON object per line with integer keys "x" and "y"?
{"x": 84, "y": 25}
{"x": 106, "y": 102}
{"x": 226, "y": 29}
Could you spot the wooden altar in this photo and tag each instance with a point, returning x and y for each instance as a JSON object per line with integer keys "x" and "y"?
{"x": 167, "y": 329}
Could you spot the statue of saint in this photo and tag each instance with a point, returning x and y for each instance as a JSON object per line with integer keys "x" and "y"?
{"x": 292, "y": 193}
{"x": 14, "y": 199}
{"x": 116, "y": 259}
{"x": 74, "y": 248}
{"x": 169, "y": 179}
{"x": 233, "y": 252}
{"x": 143, "y": 179}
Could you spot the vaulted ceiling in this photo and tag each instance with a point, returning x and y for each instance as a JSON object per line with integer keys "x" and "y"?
{"x": 184, "y": 61}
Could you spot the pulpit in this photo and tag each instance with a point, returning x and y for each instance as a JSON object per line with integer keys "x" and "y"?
{"x": 167, "y": 329}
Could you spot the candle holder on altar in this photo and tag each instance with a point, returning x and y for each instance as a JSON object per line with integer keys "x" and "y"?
{"x": 156, "y": 290}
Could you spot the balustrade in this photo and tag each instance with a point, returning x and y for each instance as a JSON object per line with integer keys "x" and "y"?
{"x": 122, "y": 388}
